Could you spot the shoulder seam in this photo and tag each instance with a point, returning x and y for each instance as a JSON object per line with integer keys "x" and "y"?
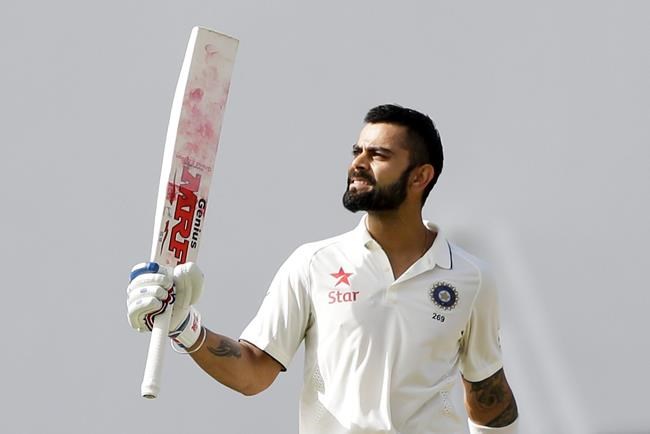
{"x": 331, "y": 241}
{"x": 461, "y": 252}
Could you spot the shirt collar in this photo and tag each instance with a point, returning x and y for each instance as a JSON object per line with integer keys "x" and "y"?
{"x": 438, "y": 254}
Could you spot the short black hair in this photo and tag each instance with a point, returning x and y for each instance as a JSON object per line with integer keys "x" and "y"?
{"x": 424, "y": 139}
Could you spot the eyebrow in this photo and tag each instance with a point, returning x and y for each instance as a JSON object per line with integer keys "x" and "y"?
{"x": 371, "y": 147}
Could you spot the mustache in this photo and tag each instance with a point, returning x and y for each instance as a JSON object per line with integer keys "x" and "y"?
{"x": 362, "y": 175}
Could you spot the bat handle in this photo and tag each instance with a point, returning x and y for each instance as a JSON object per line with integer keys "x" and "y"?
{"x": 153, "y": 368}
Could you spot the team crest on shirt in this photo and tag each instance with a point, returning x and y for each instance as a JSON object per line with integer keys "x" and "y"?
{"x": 444, "y": 295}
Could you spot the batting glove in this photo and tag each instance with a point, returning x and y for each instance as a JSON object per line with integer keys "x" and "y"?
{"x": 155, "y": 288}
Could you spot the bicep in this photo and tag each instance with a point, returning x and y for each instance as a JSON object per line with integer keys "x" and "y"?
{"x": 490, "y": 402}
{"x": 480, "y": 353}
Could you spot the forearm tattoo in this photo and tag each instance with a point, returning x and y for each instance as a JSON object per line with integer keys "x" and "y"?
{"x": 226, "y": 348}
{"x": 493, "y": 393}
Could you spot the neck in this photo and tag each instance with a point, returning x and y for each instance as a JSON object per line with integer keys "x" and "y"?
{"x": 400, "y": 231}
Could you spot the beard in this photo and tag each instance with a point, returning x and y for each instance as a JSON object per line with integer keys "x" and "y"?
{"x": 384, "y": 198}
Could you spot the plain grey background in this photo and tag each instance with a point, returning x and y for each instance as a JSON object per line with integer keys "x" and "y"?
{"x": 544, "y": 111}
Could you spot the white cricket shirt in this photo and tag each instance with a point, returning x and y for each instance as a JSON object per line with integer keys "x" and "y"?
{"x": 381, "y": 354}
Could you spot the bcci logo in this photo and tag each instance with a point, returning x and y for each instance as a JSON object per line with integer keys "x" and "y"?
{"x": 444, "y": 295}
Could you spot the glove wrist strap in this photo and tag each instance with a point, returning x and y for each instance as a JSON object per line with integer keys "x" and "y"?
{"x": 189, "y": 331}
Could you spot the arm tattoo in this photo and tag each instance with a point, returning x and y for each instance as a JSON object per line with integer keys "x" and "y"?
{"x": 489, "y": 392}
{"x": 507, "y": 416}
{"x": 226, "y": 348}
{"x": 493, "y": 394}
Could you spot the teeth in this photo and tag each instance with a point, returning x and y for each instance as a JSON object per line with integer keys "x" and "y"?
{"x": 359, "y": 183}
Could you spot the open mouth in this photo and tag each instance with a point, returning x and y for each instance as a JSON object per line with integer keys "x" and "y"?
{"x": 357, "y": 184}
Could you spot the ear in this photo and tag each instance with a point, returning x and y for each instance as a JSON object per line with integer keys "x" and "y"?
{"x": 421, "y": 176}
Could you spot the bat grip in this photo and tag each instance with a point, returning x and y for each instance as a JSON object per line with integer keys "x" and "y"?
{"x": 153, "y": 368}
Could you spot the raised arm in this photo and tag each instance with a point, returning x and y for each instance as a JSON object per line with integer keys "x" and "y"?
{"x": 153, "y": 289}
{"x": 490, "y": 403}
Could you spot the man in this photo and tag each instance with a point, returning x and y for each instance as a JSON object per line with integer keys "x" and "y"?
{"x": 389, "y": 312}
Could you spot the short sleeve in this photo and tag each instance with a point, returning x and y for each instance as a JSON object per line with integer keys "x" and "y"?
{"x": 480, "y": 354}
{"x": 281, "y": 322}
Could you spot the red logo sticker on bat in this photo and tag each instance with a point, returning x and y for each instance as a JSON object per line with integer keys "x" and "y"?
{"x": 186, "y": 203}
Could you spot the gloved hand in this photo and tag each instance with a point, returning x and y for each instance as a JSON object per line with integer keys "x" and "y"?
{"x": 154, "y": 288}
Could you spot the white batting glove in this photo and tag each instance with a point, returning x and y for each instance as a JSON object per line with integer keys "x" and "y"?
{"x": 154, "y": 288}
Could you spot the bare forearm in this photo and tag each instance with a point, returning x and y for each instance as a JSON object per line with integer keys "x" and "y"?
{"x": 490, "y": 402}
{"x": 237, "y": 365}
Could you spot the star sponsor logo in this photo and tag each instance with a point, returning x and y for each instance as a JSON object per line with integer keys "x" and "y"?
{"x": 444, "y": 295}
{"x": 342, "y": 277}
{"x": 338, "y": 296}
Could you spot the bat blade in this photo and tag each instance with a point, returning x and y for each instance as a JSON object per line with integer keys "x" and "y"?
{"x": 188, "y": 162}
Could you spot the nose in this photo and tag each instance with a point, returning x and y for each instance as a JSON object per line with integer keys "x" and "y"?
{"x": 360, "y": 161}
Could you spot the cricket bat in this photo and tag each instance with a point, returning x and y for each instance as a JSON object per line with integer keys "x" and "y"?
{"x": 188, "y": 161}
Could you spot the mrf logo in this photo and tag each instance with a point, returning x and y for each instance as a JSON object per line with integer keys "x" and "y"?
{"x": 338, "y": 296}
{"x": 184, "y": 213}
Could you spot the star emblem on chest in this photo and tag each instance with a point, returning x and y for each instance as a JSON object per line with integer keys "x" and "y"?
{"x": 342, "y": 277}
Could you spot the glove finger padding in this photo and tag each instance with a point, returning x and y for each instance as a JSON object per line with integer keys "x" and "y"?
{"x": 188, "y": 283}
{"x": 140, "y": 309}
{"x": 148, "y": 294}
{"x": 137, "y": 293}
{"x": 163, "y": 278}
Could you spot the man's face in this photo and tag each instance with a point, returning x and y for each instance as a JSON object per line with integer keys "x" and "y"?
{"x": 379, "y": 173}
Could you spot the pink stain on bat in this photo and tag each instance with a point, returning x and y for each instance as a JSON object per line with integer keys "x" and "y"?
{"x": 205, "y": 100}
{"x": 196, "y": 95}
